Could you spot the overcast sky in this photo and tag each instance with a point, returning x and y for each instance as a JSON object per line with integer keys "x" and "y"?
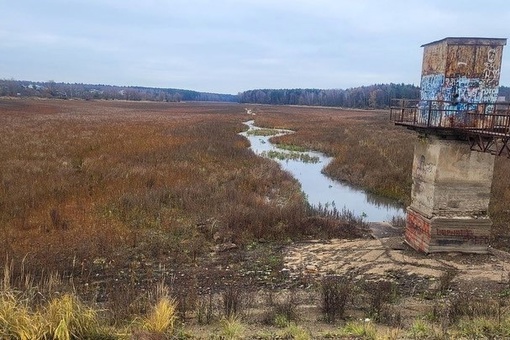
{"x": 229, "y": 46}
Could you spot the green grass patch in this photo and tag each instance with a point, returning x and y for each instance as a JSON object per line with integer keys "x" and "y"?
{"x": 292, "y": 147}
{"x": 263, "y": 132}
{"x": 295, "y": 156}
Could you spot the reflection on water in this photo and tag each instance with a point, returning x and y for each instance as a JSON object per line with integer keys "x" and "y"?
{"x": 321, "y": 190}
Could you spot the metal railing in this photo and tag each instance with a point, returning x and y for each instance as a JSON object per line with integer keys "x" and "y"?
{"x": 490, "y": 119}
{"x": 486, "y": 126}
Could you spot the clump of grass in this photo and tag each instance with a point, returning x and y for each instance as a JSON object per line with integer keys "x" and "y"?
{"x": 392, "y": 334}
{"x": 17, "y": 321}
{"x": 419, "y": 329}
{"x": 359, "y": 329}
{"x": 481, "y": 328}
{"x": 232, "y": 328}
{"x": 291, "y": 147}
{"x": 68, "y": 318}
{"x": 62, "y": 318}
{"x": 295, "y": 156}
{"x": 281, "y": 320}
{"x": 161, "y": 320}
{"x": 263, "y": 132}
{"x": 294, "y": 331}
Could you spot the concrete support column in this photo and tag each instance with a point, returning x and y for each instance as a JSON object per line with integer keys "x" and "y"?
{"x": 450, "y": 197}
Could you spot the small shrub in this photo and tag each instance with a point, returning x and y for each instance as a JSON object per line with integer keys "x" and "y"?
{"x": 391, "y": 316}
{"x": 449, "y": 311}
{"x": 445, "y": 281}
{"x": 380, "y": 293}
{"x": 283, "y": 311}
{"x": 232, "y": 301}
{"x": 186, "y": 298}
{"x": 398, "y": 221}
{"x": 57, "y": 221}
{"x": 124, "y": 302}
{"x": 335, "y": 294}
{"x": 205, "y": 309}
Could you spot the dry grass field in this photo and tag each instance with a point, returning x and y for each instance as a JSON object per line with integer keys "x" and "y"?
{"x": 129, "y": 205}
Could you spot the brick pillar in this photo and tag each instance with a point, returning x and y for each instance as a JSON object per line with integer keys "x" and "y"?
{"x": 449, "y": 198}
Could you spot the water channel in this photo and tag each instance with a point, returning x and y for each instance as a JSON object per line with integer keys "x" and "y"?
{"x": 320, "y": 189}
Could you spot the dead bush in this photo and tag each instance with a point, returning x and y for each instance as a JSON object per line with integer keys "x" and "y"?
{"x": 379, "y": 294}
{"x": 336, "y": 292}
{"x": 282, "y": 309}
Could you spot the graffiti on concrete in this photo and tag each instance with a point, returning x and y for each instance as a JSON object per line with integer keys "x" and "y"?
{"x": 459, "y": 90}
{"x": 460, "y": 237}
{"x": 416, "y": 222}
{"x": 491, "y": 70}
{"x": 431, "y": 86}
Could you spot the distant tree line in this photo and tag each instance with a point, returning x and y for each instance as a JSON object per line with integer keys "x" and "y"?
{"x": 374, "y": 96}
{"x": 504, "y": 91}
{"x": 51, "y": 89}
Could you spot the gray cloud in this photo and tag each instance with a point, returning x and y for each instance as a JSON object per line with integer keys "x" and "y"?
{"x": 230, "y": 46}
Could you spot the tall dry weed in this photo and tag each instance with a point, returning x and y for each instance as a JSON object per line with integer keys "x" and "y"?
{"x": 69, "y": 318}
{"x": 161, "y": 320}
{"x": 17, "y": 321}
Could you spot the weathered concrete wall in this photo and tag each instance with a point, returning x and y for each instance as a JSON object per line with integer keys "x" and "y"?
{"x": 450, "y": 179}
{"x": 450, "y": 197}
{"x": 439, "y": 234}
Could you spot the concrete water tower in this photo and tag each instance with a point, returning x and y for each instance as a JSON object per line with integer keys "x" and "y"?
{"x": 457, "y": 115}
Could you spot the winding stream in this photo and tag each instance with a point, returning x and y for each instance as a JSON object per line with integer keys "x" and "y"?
{"x": 320, "y": 189}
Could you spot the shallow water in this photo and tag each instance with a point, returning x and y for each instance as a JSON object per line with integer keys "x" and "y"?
{"x": 321, "y": 190}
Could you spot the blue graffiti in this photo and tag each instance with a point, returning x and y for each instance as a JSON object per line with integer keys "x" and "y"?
{"x": 431, "y": 86}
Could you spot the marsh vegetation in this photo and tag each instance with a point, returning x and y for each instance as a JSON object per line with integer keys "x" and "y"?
{"x": 144, "y": 218}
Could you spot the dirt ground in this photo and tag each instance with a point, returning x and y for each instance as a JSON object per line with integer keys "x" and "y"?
{"x": 417, "y": 278}
{"x": 389, "y": 257}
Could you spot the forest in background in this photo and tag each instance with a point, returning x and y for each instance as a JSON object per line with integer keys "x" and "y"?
{"x": 377, "y": 96}
{"x": 51, "y": 89}
{"x": 365, "y": 97}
